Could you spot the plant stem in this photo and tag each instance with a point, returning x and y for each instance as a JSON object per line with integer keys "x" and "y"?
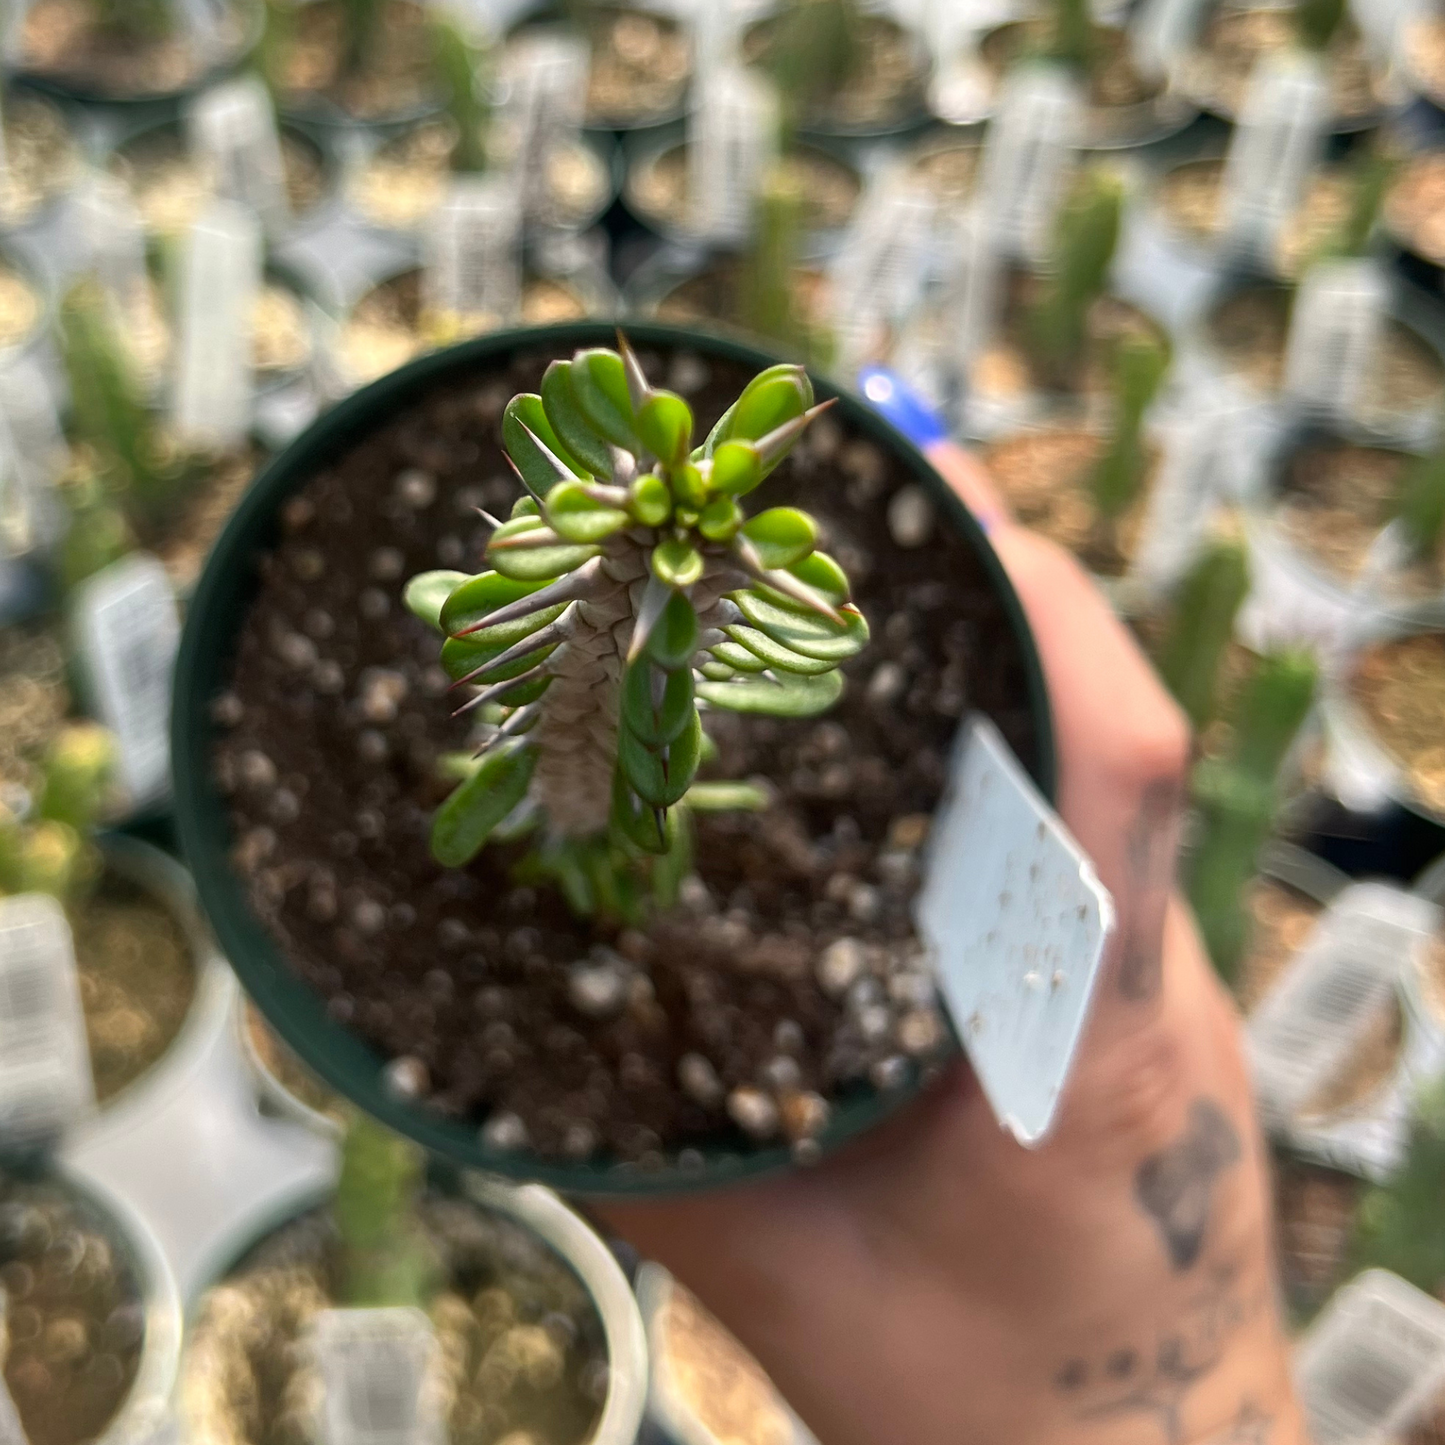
{"x": 1201, "y": 626}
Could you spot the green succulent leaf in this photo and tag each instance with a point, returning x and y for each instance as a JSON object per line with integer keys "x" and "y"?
{"x": 736, "y": 468}
{"x": 651, "y": 501}
{"x": 569, "y": 423}
{"x": 739, "y": 658}
{"x": 790, "y": 696}
{"x": 664, "y": 426}
{"x": 478, "y": 805}
{"x": 634, "y": 820}
{"x": 674, "y": 640}
{"x": 426, "y": 594}
{"x": 805, "y": 632}
{"x": 774, "y": 654}
{"x": 524, "y": 507}
{"x": 820, "y": 572}
{"x": 656, "y": 721}
{"x": 771, "y": 398}
{"x": 525, "y": 414}
{"x": 519, "y": 524}
{"x": 720, "y": 520}
{"x": 541, "y": 564}
{"x": 677, "y": 562}
{"x": 716, "y": 671}
{"x": 463, "y": 655}
{"x": 474, "y": 597}
{"x": 689, "y": 486}
{"x": 577, "y": 517}
{"x": 727, "y": 798}
{"x": 660, "y": 779}
{"x": 599, "y": 386}
{"x": 782, "y": 535}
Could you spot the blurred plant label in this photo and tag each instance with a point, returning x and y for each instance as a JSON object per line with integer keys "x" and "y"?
{"x": 112, "y": 241}
{"x": 545, "y": 102}
{"x": 1372, "y": 1361}
{"x": 1334, "y": 335}
{"x": 128, "y": 628}
{"x": 220, "y": 281}
{"x": 22, "y": 502}
{"x": 1275, "y": 146}
{"x": 734, "y": 138}
{"x": 1018, "y": 923}
{"x": 378, "y": 1370}
{"x": 45, "y": 1079}
{"x": 1288, "y": 602}
{"x": 878, "y": 276}
{"x": 1311, "y": 1026}
{"x": 971, "y": 288}
{"x": 1027, "y": 156}
{"x": 1161, "y": 31}
{"x": 471, "y": 262}
{"x": 233, "y": 128}
{"x": 34, "y": 453}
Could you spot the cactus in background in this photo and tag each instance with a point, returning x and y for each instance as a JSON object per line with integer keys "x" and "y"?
{"x": 384, "y": 1258}
{"x": 97, "y": 534}
{"x": 363, "y": 27}
{"x": 51, "y": 849}
{"x": 1316, "y": 22}
{"x": 1139, "y": 364}
{"x": 278, "y": 34}
{"x": 136, "y": 21}
{"x": 1397, "y": 1226}
{"x": 1087, "y": 233}
{"x": 1422, "y": 504}
{"x": 1201, "y": 625}
{"x": 1370, "y": 180}
{"x": 629, "y": 585}
{"x": 109, "y": 414}
{"x": 814, "y": 53}
{"x": 765, "y": 303}
{"x": 1071, "y": 39}
{"x": 456, "y": 60}
{"x": 1235, "y": 796}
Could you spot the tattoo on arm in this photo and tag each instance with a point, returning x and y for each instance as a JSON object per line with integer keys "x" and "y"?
{"x": 1152, "y": 844}
{"x": 1175, "y": 1187}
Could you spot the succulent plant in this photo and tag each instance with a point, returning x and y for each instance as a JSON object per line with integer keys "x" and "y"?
{"x": 1236, "y": 794}
{"x": 1071, "y": 37}
{"x": 385, "y": 1259}
{"x": 630, "y": 589}
{"x": 766, "y": 301}
{"x": 1422, "y": 504}
{"x": 1086, "y": 234}
{"x": 1316, "y": 21}
{"x": 456, "y": 59}
{"x": 50, "y": 848}
{"x": 815, "y": 51}
{"x": 1201, "y": 625}
{"x": 1139, "y": 364}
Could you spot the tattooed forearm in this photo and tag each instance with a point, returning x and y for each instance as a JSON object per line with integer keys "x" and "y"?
{"x": 1152, "y": 844}
{"x": 1250, "y": 1427}
{"x": 1175, "y": 1187}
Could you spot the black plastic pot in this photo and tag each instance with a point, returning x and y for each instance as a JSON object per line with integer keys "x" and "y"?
{"x": 342, "y": 1059}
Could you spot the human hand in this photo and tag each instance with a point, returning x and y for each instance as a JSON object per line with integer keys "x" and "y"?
{"x": 937, "y": 1282}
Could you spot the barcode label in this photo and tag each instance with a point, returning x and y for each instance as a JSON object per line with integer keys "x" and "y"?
{"x": 1274, "y": 148}
{"x": 545, "y": 96}
{"x": 45, "y": 1079}
{"x": 378, "y": 1370}
{"x": 733, "y": 139}
{"x": 1027, "y": 156}
{"x": 233, "y": 127}
{"x": 1339, "y": 316}
{"x": 472, "y": 266}
{"x": 1306, "y": 1031}
{"x": 1372, "y": 1360}
{"x": 971, "y": 289}
{"x": 128, "y": 629}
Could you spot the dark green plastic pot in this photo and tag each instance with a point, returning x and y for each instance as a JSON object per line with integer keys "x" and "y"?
{"x": 341, "y": 1058}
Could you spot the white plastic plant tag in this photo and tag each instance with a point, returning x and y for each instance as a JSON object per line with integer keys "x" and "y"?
{"x": 1275, "y": 146}
{"x": 1018, "y": 923}
{"x": 715, "y": 26}
{"x": 1027, "y": 156}
{"x": 1371, "y": 1362}
{"x": 112, "y": 240}
{"x": 545, "y": 103}
{"x": 472, "y": 267}
{"x": 1160, "y": 31}
{"x": 45, "y": 1079}
{"x": 233, "y": 129}
{"x": 1308, "y": 1029}
{"x": 220, "y": 280}
{"x": 971, "y": 287}
{"x": 733, "y": 138}
{"x": 12, "y": 1432}
{"x": 1334, "y": 335}
{"x": 880, "y": 271}
{"x": 378, "y": 1375}
{"x": 127, "y": 631}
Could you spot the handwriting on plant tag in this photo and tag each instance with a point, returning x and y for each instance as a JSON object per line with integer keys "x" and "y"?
{"x": 1334, "y": 335}
{"x": 233, "y": 129}
{"x": 378, "y": 1369}
{"x": 545, "y": 80}
{"x": 128, "y": 629}
{"x": 472, "y": 274}
{"x": 733, "y": 138}
{"x": 45, "y": 1078}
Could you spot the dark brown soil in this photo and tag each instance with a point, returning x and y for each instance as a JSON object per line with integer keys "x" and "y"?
{"x": 1314, "y": 1221}
{"x": 1113, "y": 80}
{"x": 337, "y": 718}
{"x": 524, "y": 1357}
{"x": 75, "y": 1315}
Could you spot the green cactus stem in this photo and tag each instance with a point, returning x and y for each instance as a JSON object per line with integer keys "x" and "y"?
{"x": 766, "y": 301}
{"x": 1201, "y": 625}
{"x": 1085, "y": 239}
{"x": 1422, "y": 505}
{"x": 1317, "y": 21}
{"x": 77, "y": 770}
{"x": 1370, "y": 183}
{"x": 97, "y": 534}
{"x": 456, "y": 60}
{"x": 1235, "y": 797}
{"x": 385, "y": 1260}
{"x": 630, "y": 589}
{"x": 1139, "y": 364}
{"x": 1071, "y": 38}
{"x": 816, "y": 50}
{"x": 136, "y": 22}
{"x": 363, "y": 31}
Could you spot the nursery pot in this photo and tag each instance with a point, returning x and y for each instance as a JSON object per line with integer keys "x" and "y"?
{"x": 218, "y": 608}
{"x": 576, "y": 1244}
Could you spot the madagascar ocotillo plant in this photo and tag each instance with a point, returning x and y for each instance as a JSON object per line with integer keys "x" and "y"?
{"x": 766, "y": 304}
{"x": 1139, "y": 364}
{"x": 629, "y": 590}
{"x": 1072, "y": 37}
{"x": 455, "y": 61}
{"x": 1201, "y": 624}
{"x": 1086, "y": 235}
{"x": 815, "y": 51}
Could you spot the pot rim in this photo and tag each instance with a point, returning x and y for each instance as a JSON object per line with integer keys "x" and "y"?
{"x": 336, "y": 1055}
